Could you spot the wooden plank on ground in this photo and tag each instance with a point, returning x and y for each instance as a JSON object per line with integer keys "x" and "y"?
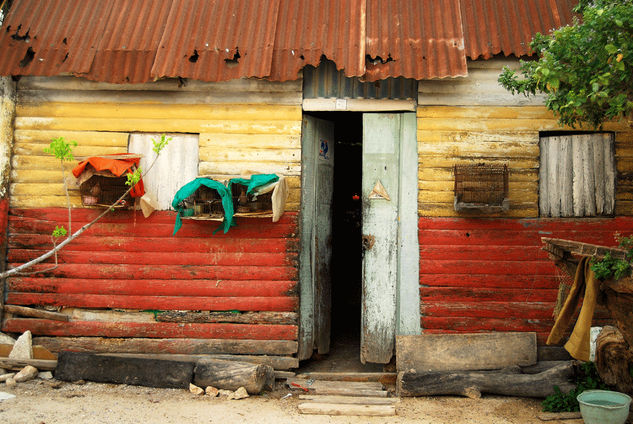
{"x": 347, "y": 409}
{"x": 361, "y": 400}
{"x": 16, "y": 364}
{"x": 35, "y": 313}
{"x": 39, "y": 352}
{"x": 73, "y": 366}
{"x": 170, "y": 345}
{"x": 342, "y": 388}
{"x": 381, "y": 377}
{"x": 440, "y": 352}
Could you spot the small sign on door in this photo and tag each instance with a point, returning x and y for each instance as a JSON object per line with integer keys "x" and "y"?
{"x": 324, "y": 148}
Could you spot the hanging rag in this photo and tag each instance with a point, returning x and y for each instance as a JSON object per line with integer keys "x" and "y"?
{"x": 190, "y": 188}
{"x": 578, "y": 344}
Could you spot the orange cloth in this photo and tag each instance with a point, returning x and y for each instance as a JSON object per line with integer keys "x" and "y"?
{"x": 578, "y": 344}
{"x": 116, "y": 166}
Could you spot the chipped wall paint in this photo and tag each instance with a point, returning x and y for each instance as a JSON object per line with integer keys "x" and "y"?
{"x": 7, "y": 115}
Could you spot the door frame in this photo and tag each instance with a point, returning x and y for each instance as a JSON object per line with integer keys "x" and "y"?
{"x": 407, "y": 320}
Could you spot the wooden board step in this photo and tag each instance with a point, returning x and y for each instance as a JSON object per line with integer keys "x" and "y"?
{"x": 382, "y": 377}
{"x": 347, "y": 409}
{"x": 361, "y": 400}
{"x": 367, "y": 398}
{"x": 342, "y": 388}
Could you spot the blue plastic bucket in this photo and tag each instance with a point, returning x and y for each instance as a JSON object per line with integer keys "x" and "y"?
{"x": 604, "y": 407}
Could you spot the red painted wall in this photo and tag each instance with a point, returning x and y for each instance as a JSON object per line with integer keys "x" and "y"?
{"x": 129, "y": 262}
{"x": 479, "y": 275}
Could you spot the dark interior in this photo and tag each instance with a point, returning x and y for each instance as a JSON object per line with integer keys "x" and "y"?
{"x": 346, "y": 223}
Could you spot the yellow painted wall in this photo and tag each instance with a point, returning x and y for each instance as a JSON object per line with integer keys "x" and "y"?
{"x": 449, "y": 135}
{"x": 247, "y": 129}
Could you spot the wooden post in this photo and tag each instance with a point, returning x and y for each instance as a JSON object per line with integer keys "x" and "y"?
{"x": 7, "y": 116}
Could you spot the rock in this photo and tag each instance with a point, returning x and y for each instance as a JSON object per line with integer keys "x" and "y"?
{"x": 4, "y": 339}
{"x": 5, "y": 396}
{"x": 195, "y": 389}
{"x": 29, "y": 372}
{"x": 240, "y": 393}
{"x": 3, "y": 371}
{"x": 211, "y": 391}
{"x": 10, "y": 382}
{"x": 46, "y": 375}
{"x": 6, "y": 376}
{"x": 225, "y": 393}
{"x": 23, "y": 347}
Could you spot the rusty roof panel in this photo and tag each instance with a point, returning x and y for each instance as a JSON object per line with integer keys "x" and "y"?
{"x": 217, "y": 40}
{"x": 309, "y": 29}
{"x": 52, "y": 37}
{"x": 128, "y": 48}
{"x": 507, "y": 26}
{"x": 418, "y": 39}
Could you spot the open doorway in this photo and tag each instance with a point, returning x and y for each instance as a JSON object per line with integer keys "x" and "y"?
{"x": 346, "y": 261}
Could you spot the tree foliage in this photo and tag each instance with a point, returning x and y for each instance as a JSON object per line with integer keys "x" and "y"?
{"x": 586, "y": 69}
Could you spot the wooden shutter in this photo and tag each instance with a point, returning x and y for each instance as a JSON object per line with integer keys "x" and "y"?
{"x": 577, "y": 175}
{"x": 176, "y": 166}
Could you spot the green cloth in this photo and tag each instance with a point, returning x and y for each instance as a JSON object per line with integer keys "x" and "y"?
{"x": 190, "y": 188}
{"x": 254, "y": 182}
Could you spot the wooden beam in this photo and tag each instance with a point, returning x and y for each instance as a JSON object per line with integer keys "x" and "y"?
{"x": 363, "y": 400}
{"x": 184, "y": 346}
{"x": 288, "y": 318}
{"x": 435, "y": 352}
{"x": 473, "y": 383}
{"x": 16, "y": 364}
{"x": 35, "y": 313}
{"x": 347, "y": 409}
{"x": 73, "y": 366}
{"x": 277, "y": 362}
{"x": 382, "y": 377}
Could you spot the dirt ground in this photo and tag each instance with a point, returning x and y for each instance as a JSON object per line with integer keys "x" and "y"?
{"x": 53, "y": 402}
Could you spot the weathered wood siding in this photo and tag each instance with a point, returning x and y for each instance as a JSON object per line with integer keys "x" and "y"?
{"x": 483, "y": 271}
{"x": 468, "y": 121}
{"x": 126, "y": 265}
{"x": 492, "y": 275}
{"x": 244, "y": 126}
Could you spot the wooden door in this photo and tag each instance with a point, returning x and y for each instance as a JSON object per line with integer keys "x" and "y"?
{"x": 381, "y": 133}
{"x": 390, "y": 299}
{"x": 317, "y": 184}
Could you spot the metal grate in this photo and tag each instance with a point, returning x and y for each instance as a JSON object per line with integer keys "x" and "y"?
{"x": 481, "y": 185}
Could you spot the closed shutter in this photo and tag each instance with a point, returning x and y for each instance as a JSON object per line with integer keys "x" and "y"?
{"x": 577, "y": 175}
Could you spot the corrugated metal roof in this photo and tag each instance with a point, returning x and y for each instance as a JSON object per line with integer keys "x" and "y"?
{"x": 217, "y": 40}
{"x": 310, "y": 29}
{"x": 128, "y": 47}
{"x": 507, "y": 26}
{"x": 418, "y": 39}
{"x": 51, "y": 37}
{"x": 134, "y": 41}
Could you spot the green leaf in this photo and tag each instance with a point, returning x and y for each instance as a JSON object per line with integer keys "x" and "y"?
{"x": 610, "y": 48}
{"x": 59, "y": 232}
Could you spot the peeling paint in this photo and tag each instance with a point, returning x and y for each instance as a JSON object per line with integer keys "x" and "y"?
{"x": 7, "y": 116}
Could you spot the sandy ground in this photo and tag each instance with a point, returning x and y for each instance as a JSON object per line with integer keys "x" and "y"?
{"x": 41, "y": 402}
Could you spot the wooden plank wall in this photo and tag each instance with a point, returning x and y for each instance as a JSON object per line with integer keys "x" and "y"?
{"x": 482, "y": 272}
{"x": 127, "y": 265}
{"x": 244, "y": 126}
{"x": 488, "y": 125}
